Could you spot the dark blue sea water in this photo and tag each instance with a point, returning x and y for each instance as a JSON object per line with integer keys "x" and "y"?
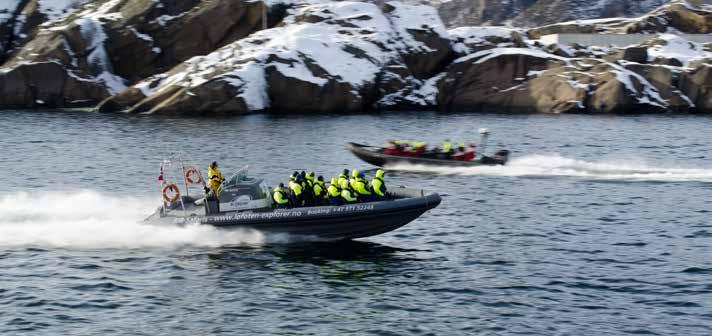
{"x": 600, "y": 226}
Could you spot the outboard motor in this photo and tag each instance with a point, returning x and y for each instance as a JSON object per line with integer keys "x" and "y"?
{"x": 212, "y": 205}
{"x": 501, "y": 156}
{"x": 501, "y": 153}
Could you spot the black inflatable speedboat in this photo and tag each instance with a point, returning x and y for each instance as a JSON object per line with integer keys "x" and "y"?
{"x": 377, "y": 156}
{"x": 247, "y": 203}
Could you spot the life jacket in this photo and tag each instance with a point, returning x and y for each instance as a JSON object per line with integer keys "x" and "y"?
{"x": 333, "y": 191}
{"x": 346, "y": 193}
{"x": 447, "y": 147}
{"x": 279, "y": 196}
{"x": 378, "y": 185}
{"x": 354, "y": 177}
{"x": 296, "y": 188}
{"x": 215, "y": 178}
{"x": 319, "y": 189}
{"x": 361, "y": 187}
{"x": 342, "y": 178}
{"x": 347, "y": 196}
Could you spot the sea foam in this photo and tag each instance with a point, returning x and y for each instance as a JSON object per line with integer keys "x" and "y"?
{"x": 559, "y": 166}
{"x": 88, "y": 219}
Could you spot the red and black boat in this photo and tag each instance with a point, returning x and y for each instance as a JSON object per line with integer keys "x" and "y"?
{"x": 381, "y": 156}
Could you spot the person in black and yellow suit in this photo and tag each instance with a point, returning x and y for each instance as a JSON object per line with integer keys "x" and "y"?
{"x": 378, "y": 186}
{"x": 319, "y": 191}
{"x": 344, "y": 176}
{"x": 215, "y": 179}
{"x": 295, "y": 185}
{"x": 360, "y": 186}
{"x": 347, "y": 196}
{"x": 308, "y": 187}
{"x": 334, "y": 192}
{"x": 281, "y": 200}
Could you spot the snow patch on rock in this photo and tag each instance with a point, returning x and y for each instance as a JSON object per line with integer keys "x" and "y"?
{"x": 648, "y": 95}
{"x": 57, "y": 10}
{"x": 346, "y": 42}
{"x": 93, "y": 33}
{"x": 679, "y": 48}
{"x": 486, "y": 55}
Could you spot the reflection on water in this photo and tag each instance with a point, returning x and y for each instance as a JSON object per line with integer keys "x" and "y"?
{"x": 346, "y": 261}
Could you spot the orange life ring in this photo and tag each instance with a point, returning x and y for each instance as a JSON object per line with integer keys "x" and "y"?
{"x": 189, "y": 176}
{"x": 171, "y": 187}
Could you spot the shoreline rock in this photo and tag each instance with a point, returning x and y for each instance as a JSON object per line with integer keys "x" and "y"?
{"x": 317, "y": 56}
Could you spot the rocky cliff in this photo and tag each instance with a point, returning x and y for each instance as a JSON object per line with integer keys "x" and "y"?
{"x": 207, "y": 57}
{"x": 532, "y": 13}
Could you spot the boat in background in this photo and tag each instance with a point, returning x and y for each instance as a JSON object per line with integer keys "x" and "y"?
{"x": 378, "y": 156}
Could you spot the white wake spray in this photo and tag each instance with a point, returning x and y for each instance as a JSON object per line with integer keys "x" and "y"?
{"x": 558, "y": 166}
{"x": 88, "y": 219}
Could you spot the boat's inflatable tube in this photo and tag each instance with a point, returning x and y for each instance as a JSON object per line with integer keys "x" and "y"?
{"x": 330, "y": 222}
{"x": 376, "y": 157}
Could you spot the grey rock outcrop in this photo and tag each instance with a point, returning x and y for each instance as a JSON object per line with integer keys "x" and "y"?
{"x": 188, "y": 57}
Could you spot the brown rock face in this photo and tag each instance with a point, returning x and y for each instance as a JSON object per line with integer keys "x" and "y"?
{"x": 610, "y": 96}
{"x": 367, "y": 53}
{"x": 213, "y": 98}
{"x": 636, "y": 54}
{"x": 679, "y": 15}
{"x": 533, "y": 82}
{"x": 491, "y": 82}
{"x": 553, "y": 91}
{"x": 618, "y": 91}
{"x": 425, "y": 64}
{"x": 532, "y": 13}
{"x": 118, "y": 102}
{"x": 291, "y": 94}
{"x": 667, "y": 83}
{"x": 135, "y": 39}
{"x": 201, "y": 57}
{"x": 697, "y": 85}
{"x": 199, "y": 31}
{"x": 46, "y": 84}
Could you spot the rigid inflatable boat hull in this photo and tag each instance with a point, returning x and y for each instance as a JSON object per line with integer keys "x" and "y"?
{"x": 380, "y": 159}
{"x": 327, "y": 222}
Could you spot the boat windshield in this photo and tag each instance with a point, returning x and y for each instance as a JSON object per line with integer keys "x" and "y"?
{"x": 239, "y": 176}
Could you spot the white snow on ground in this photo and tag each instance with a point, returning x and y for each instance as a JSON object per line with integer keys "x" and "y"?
{"x": 142, "y": 36}
{"x": 165, "y": 19}
{"x": 486, "y": 55}
{"x": 649, "y": 94}
{"x": 478, "y": 34}
{"x": 59, "y": 9}
{"x": 251, "y": 81}
{"x": 7, "y": 8}
{"x": 678, "y": 48}
{"x": 103, "y": 12}
{"x": 428, "y": 93}
{"x": 93, "y": 33}
{"x": 425, "y": 94}
{"x": 463, "y": 37}
{"x": 350, "y": 44}
{"x": 414, "y": 17}
{"x": 604, "y": 21}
